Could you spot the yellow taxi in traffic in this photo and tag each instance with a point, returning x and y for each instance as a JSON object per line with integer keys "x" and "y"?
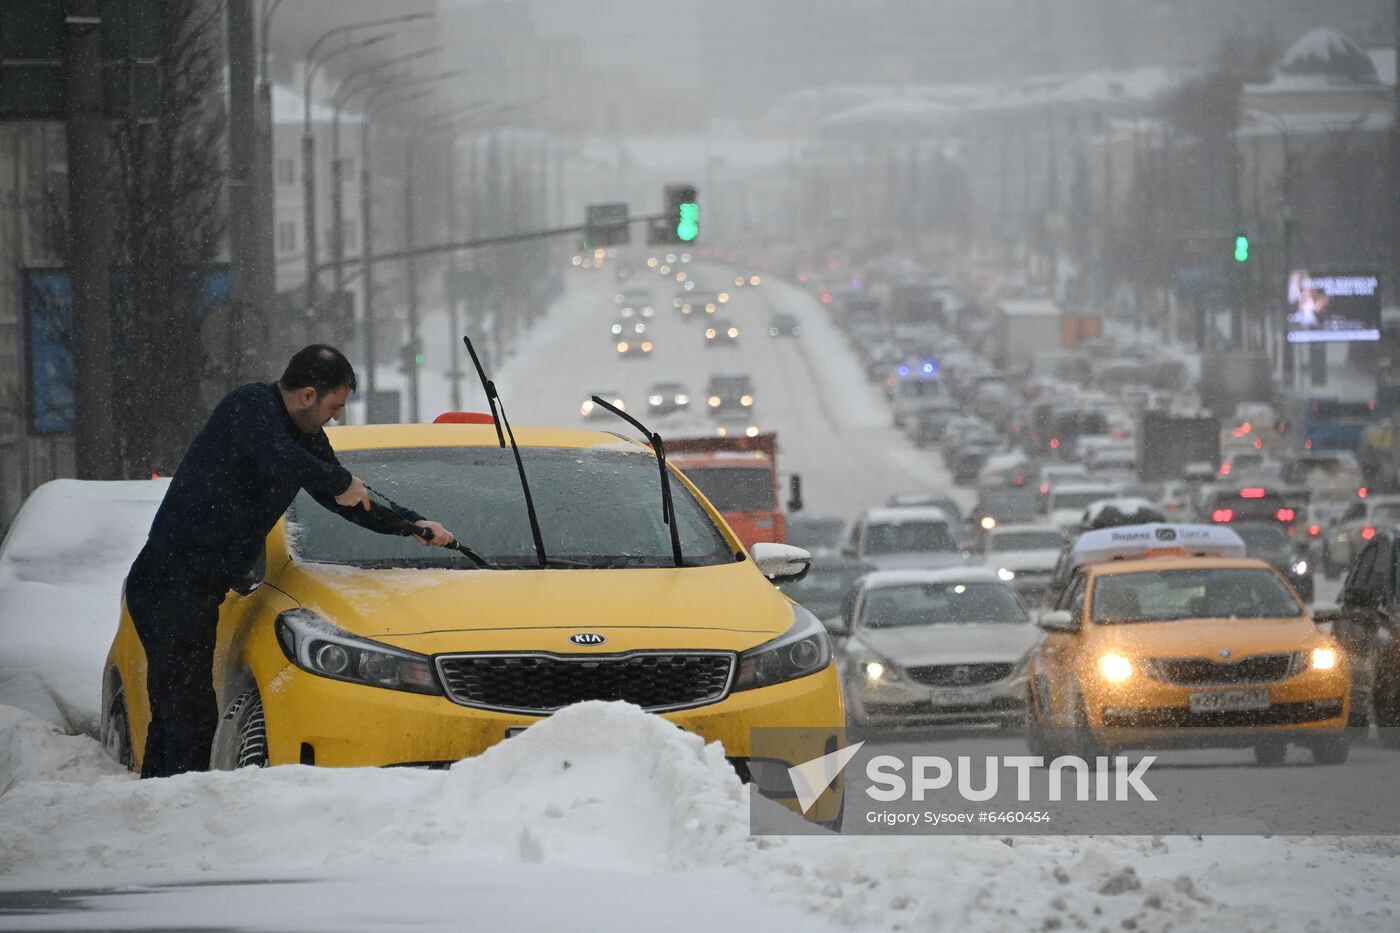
{"x": 1166, "y": 636}
{"x": 347, "y": 647}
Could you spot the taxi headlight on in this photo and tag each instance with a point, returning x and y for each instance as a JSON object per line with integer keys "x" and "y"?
{"x": 1115, "y": 668}
{"x": 1324, "y": 659}
{"x": 315, "y": 645}
{"x": 1006, "y": 576}
{"x": 803, "y": 649}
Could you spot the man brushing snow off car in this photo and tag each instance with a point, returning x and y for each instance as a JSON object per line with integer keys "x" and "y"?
{"x": 262, "y": 444}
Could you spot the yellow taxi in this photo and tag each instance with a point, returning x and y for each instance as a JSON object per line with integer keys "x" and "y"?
{"x": 1166, "y": 636}
{"x": 350, "y": 648}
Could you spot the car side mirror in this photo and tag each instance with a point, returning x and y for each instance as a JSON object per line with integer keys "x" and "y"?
{"x": 1058, "y": 620}
{"x": 794, "y": 503}
{"x": 251, "y": 578}
{"x": 781, "y": 563}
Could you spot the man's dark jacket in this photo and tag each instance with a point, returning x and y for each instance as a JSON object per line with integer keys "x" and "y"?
{"x": 240, "y": 474}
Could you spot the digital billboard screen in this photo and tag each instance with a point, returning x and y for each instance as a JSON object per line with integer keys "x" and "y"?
{"x": 1333, "y": 307}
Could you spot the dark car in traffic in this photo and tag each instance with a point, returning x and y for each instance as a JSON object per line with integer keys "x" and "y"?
{"x": 1268, "y": 541}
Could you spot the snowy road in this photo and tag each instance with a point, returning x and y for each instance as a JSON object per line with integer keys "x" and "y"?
{"x": 603, "y": 817}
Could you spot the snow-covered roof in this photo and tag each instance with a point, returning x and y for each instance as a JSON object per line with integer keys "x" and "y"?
{"x": 1135, "y": 541}
{"x": 893, "y": 109}
{"x": 1136, "y": 86}
{"x": 1327, "y": 52}
{"x": 883, "y": 578}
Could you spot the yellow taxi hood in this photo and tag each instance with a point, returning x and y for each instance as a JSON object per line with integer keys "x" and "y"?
{"x": 429, "y": 610}
{"x": 1207, "y": 638}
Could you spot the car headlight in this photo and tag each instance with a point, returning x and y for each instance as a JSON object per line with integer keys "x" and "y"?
{"x": 646, "y": 346}
{"x": 1115, "y": 668}
{"x": 988, "y": 523}
{"x": 746, "y": 400}
{"x": 617, "y": 328}
{"x": 877, "y": 671}
{"x": 803, "y": 649}
{"x": 682, "y": 399}
{"x": 732, "y": 332}
{"x": 714, "y": 401}
{"x": 1300, "y": 567}
{"x": 1324, "y": 659}
{"x": 622, "y": 346}
{"x": 751, "y": 430}
{"x": 710, "y": 333}
{"x": 654, "y": 400}
{"x": 586, "y": 408}
{"x": 317, "y": 646}
{"x": 1005, "y": 575}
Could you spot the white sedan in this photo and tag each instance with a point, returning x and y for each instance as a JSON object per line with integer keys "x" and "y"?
{"x": 934, "y": 647}
{"x": 1024, "y": 557}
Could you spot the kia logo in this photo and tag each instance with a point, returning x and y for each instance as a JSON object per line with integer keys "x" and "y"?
{"x": 587, "y": 638}
{"x": 1166, "y": 534}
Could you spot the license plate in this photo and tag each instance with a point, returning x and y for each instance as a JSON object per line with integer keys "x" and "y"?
{"x": 961, "y": 696}
{"x": 1220, "y": 701}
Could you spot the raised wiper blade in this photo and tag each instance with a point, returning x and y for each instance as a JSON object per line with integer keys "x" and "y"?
{"x": 385, "y": 507}
{"x": 668, "y": 505}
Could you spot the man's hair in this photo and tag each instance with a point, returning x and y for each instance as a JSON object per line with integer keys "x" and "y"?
{"x": 320, "y": 366}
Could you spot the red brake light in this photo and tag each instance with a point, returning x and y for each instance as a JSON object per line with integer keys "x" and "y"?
{"x": 1258, "y": 443}
{"x": 1307, "y": 444}
{"x": 1284, "y": 515}
{"x": 1252, "y": 492}
{"x": 1314, "y": 530}
{"x": 1222, "y": 515}
{"x": 1045, "y": 489}
{"x": 1361, "y": 492}
{"x": 155, "y": 476}
{"x": 1054, "y": 443}
{"x": 1224, "y": 469}
{"x": 1368, "y": 532}
{"x": 1018, "y": 481}
{"x": 826, "y": 298}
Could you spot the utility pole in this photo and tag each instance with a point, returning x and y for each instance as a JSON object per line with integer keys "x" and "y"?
{"x": 452, "y": 292}
{"x": 89, "y": 242}
{"x": 249, "y": 313}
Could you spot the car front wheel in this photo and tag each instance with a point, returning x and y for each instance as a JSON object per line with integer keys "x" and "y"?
{"x": 241, "y": 738}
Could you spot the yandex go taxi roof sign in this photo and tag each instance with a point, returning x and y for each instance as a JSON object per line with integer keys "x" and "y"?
{"x": 1132, "y": 542}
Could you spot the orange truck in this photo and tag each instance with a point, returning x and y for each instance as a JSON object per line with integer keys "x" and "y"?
{"x": 740, "y": 476}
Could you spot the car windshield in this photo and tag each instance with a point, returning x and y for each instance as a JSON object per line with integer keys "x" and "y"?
{"x": 735, "y": 489}
{"x": 825, "y": 584}
{"x": 815, "y": 532}
{"x": 1386, "y": 513}
{"x": 939, "y": 604}
{"x": 907, "y": 536}
{"x": 1194, "y": 593}
{"x": 1028, "y": 541}
{"x": 597, "y": 508}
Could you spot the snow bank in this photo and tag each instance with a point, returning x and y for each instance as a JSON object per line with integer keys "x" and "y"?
{"x": 61, "y": 571}
{"x": 605, "y": 788}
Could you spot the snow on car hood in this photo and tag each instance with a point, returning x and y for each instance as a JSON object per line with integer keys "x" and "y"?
{"x": 957, "y": 643}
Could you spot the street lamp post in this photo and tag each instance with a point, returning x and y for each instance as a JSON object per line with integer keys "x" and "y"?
{"x": 308, "y": 144}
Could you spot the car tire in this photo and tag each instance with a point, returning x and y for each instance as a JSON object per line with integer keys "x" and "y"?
{"x": 1332, "y": 752}
{"x": 1270, "y": 754}
{"x": 241, "y": 738}
{"x": 1086, "y": 745}
{"x": 116, "y": 731}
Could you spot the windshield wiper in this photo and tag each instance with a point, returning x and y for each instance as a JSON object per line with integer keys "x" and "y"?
{"x": 385, "y": 507}
{"x": 668, "y": 505}
{"x": 498, "y": 416}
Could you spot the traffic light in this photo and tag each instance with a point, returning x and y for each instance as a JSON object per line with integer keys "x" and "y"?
{"x": 1242, "y": 247}
{"x": 681, "y": 222}
{"x": 411, "y": 355}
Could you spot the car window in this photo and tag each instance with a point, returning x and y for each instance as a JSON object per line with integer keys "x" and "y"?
{"x": 1189, "y": 593}
{"x": 1027, "y": 541}
{"x": 1073, "y": 599}
{"x": 939, "y": 604}
{"x": 1359, "y": 578}
{"x": 908, "y": 536}
{"x": 1376, "y": 579}
{"x": 598, "y": 506}
{"x": 1356, "y": 511}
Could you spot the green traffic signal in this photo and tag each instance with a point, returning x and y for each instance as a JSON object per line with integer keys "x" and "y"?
{"x": 419, "y": 359}
{"x": 1241, "y": 248}
{"x": 688, "y": 225}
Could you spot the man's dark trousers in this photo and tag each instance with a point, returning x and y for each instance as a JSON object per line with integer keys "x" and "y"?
{"x": 175, "y": 610}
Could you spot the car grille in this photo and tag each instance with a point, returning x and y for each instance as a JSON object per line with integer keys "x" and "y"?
{"x": 542, "y": 683}
{"x": 1193, "y": 672}
{"x": 959, "y": 675}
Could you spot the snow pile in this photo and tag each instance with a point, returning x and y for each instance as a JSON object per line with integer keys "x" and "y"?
{"x": 599, "y": 785}
{"x": 61, "y": 572}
